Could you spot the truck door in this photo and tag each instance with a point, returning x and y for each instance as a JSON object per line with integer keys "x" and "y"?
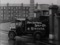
{"x": 28, "y": 27}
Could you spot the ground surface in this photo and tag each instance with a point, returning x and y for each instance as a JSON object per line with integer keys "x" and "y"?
{"x": 24, "y": 40}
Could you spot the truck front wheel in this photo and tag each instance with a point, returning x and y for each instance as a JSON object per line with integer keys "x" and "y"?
{"x": 11, "y": 35}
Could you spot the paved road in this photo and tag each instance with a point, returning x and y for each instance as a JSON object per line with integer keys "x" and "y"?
{"x": 3, "y": 38}
{"x": 24, "y": 40}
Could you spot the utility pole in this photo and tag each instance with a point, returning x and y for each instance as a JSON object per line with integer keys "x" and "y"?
{"x": 53, "y": 21}
{"x": 3, "y": 14}
{"x": 7, "y": 17}
{"x": 22, "y": 9}
{"x": 31, "y": 9}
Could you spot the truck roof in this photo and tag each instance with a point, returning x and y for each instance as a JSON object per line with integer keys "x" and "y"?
{"x": 21, "y": 19}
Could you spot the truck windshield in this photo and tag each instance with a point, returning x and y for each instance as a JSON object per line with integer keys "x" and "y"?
{"x": 18, "y": 23}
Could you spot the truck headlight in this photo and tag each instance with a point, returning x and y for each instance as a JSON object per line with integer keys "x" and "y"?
{"x": 28, "y": 28}
{"x": 32, "y": 28}
{"x": 51, "y": 36}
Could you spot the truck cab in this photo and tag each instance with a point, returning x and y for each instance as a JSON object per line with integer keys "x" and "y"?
{"x": 17, "y": 29}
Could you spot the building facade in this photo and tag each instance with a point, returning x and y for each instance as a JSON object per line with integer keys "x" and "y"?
{"x": 12, "y": 11}
{"x": 9, "y": 12}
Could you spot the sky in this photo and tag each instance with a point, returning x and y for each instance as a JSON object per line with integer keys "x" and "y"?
{"x": 28, "y": 1}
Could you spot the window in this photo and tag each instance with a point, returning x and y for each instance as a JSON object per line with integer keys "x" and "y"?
{"x": 1, "y": 11}
{"x": 12, "y": 8}
{"x": 1, "y": 15}
{"x": 19, "y": 10}
{"x": 23, "y": 11}
{"x": 19, "y": 13}
{"x": 5, "y": 11}
{"x": 45, "y": 13}
{"x": 27, "y": 12}
{"x": 26, "y": 15}
{"x": 16, "y": 15}
{"x": 9, "y": 8}
{"x": 8, "y": 15}
{"x": 16, "y": 11}
{"x": 1, "y": 7}
{"x": 12, "y": 11}
{"x": 26, "y": 7}
{"x": 19, "y": 7}
{"x": 16, "y": 7}
{"x": 9, "y": 11}
{"x": 4, "y": 7}
{"x": 23, "y": 7}
{"x": 11, "y": 14}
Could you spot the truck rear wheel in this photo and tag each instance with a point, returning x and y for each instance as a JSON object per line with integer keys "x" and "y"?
{"x": 11, "y": 35}
{"x": 37, "y": 36}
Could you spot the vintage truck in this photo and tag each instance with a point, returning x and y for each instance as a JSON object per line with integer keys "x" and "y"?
{"x": 38, "y": 29}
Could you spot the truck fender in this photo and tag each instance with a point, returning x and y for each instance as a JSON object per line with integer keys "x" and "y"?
{"x": 13, "y": 31}
{"x": 38, "y": 32}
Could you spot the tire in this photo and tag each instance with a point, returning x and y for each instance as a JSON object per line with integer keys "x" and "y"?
{"x": 11, "y": 35}
{"x": 37, "y": 36}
